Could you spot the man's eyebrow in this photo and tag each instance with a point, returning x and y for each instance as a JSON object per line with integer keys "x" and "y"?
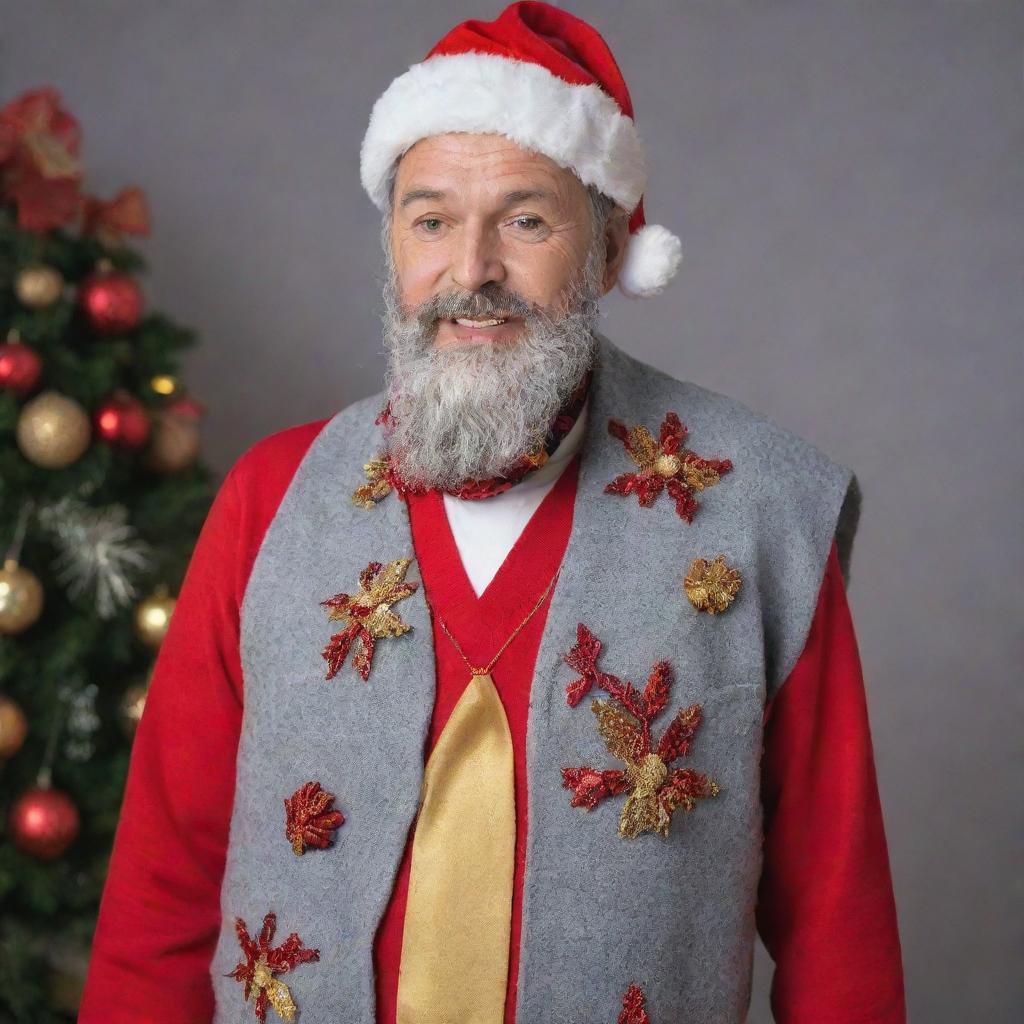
{"x": 523, "y": 194}
{"x": 421, "y": 193}
{"x": 509, "y": 199}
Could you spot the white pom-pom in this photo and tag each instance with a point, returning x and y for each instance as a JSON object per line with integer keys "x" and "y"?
{"x": 652, "y": 259}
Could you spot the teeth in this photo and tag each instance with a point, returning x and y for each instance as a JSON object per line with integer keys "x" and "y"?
{"x": 477, "y": 323}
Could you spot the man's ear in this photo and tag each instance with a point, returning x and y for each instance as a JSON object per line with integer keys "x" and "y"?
{"x": 616, "y": 235}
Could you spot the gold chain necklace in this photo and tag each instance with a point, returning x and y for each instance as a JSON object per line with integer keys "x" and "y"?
{"x": 486, "y": 671}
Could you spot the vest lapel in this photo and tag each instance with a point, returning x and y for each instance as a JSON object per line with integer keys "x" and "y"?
{"x": 362, "y": 740}
{"x": 602, "y": 911}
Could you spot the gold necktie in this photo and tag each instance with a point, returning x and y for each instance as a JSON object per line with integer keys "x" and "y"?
{"x": 458, "y": 913}
{"x": 454, "y": 966}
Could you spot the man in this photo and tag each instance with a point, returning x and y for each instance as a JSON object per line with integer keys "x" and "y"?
{"x": 527, "y": 689}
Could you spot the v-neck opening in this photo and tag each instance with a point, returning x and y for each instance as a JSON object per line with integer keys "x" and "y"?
{"x": 511, "y": 570}
{"x": 520, "y": 579}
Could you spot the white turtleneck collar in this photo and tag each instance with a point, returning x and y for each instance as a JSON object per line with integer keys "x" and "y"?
{"x": 486, "y": 529}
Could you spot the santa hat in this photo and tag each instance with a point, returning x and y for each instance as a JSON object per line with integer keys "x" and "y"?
{"x": 548, "y": 81}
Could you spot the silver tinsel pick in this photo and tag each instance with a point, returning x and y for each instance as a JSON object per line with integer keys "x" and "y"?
{"x": 98, "y": 552}
{"x": 82, "y": 719}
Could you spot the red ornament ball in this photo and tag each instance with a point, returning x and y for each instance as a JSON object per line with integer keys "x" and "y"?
{"x": 122, "y": 420}
{"x": 43, "y": 823}
{"x": 20, "y": 367}
{"x": 112, "y": 301}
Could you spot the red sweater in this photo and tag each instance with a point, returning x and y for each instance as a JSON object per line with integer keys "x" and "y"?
{"x": 826, "y": 911}
{"x": 481, "y": 625}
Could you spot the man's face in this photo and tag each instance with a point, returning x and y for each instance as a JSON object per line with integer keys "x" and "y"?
{"x": 471, "y": 211}
{"x": 482, "y": 229}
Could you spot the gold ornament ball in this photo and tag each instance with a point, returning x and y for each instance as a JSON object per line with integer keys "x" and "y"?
{"x": 13, "y": 727}
{"x": 53, "y": 430}
{"x": 39, "y": 286}
{"x": 131, "y": 706}
{"x": 153, "y": 616}
{"x": 21, "y": 597}
{"x": 174, "y": 443}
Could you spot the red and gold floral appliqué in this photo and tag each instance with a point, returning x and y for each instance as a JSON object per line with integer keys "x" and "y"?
{"x": 624, "y": 724}
{"x": 380, "y": 482}
{"x": 367, "y": 615}
{"x": 664, "y": 464}
{"x": 262, "y": 963}
{"x": 633, "y": 1011}
{"x": 309, "y": 819}
{"x": 711, "y": 586}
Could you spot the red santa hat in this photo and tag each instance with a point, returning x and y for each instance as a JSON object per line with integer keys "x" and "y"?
{"x": 548, "y": 81}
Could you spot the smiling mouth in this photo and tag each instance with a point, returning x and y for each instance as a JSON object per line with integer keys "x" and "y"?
{"x": 463, "y": 321}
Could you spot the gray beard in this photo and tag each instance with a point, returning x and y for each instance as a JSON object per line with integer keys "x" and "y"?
{"x": 470, "y": 411}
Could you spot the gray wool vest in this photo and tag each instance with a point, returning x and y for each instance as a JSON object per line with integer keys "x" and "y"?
{"x": 672, "y": 914}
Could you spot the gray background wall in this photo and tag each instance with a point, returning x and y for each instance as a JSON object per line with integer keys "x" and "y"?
{"x": 847, "y": 182}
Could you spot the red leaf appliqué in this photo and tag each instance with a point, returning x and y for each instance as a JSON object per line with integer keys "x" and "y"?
{"x": 309, "y": 819}
{"x": 633, "y": 1011}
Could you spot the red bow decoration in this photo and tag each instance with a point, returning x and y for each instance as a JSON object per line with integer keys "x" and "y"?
{"x": 41, "y": 174}
{"x": 125, "y": 214}
{"x": 39, "y": 168}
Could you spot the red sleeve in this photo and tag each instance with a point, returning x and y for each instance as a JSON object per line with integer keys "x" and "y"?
{"x": 159, "y": 916}
{"x": 826, "y": 911}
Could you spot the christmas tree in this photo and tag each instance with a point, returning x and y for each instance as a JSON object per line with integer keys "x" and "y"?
{"x": 102, "y": 496}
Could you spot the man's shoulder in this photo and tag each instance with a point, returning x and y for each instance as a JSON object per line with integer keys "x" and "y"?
{"x": 277, "y": 455}
{"x": 715, "y": 419}
{"x": 786, "y": 477}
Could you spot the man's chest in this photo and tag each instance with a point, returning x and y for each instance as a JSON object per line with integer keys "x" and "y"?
{"x": 643, "y": 717}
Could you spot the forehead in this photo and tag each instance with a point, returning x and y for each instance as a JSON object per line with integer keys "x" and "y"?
{"x": 482, "y": 167}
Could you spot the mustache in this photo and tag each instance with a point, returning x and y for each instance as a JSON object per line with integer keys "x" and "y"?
{"x": 490, "y": 300}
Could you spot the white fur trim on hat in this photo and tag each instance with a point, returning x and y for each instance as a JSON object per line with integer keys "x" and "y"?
{"x": 578, "y": 126}
{"x": 652, "y": 259}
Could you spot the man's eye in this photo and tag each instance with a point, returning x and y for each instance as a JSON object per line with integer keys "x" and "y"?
{"x": 530, "y": 223}
{"x": 431, "y": 220}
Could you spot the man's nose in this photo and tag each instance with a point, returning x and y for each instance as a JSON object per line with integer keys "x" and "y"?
{"x": 477, "y": 258}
